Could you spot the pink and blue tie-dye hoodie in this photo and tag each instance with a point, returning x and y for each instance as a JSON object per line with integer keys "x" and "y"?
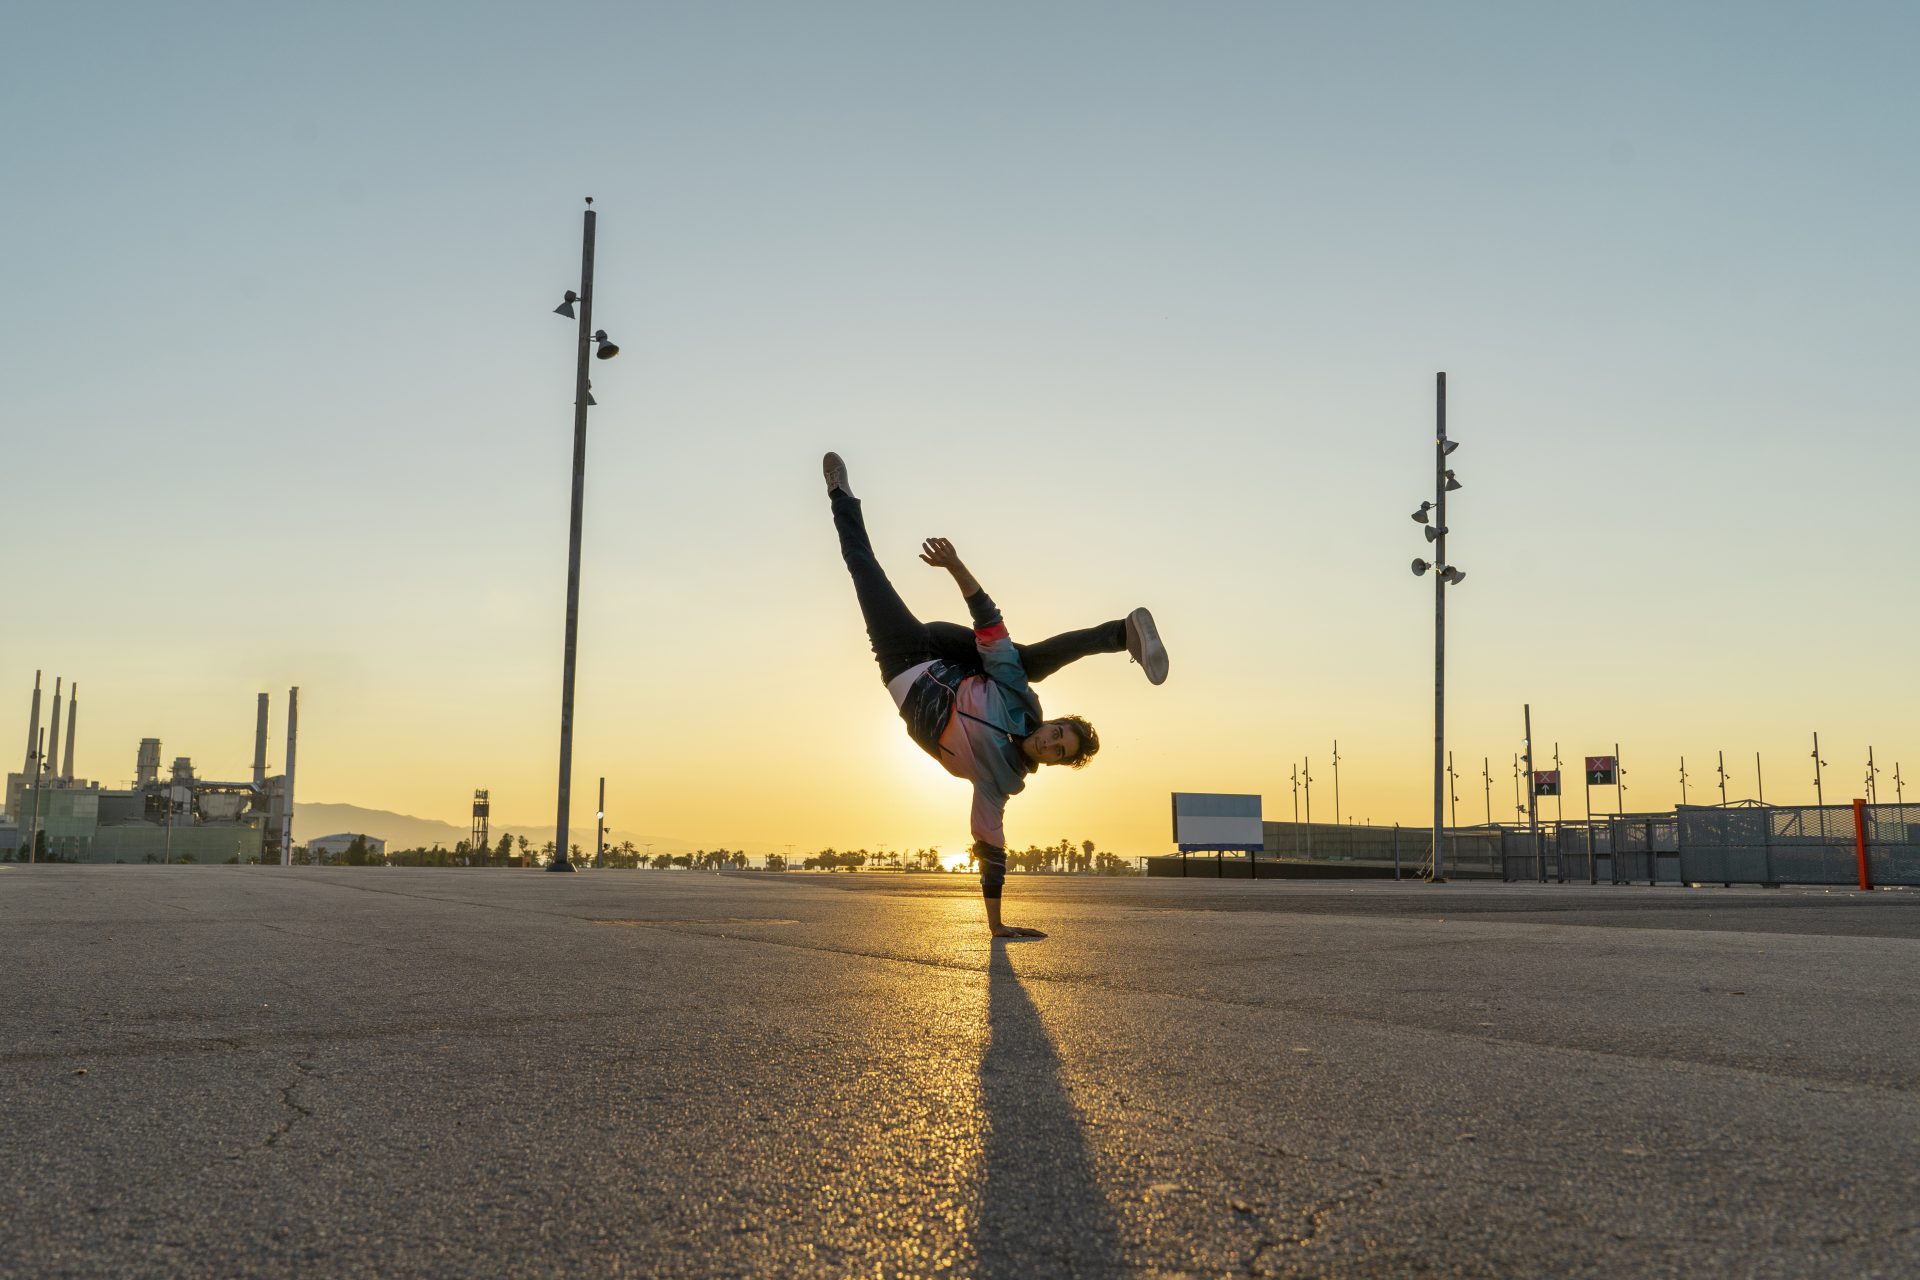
{"x": 972, "y": 721}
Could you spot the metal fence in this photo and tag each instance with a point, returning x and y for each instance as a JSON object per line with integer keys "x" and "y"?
{"x": 1742, "y": 844}
{"x": 1470, "y": 852}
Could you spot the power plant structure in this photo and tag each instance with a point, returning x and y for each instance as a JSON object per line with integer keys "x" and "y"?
{"x": 178, "y": 817}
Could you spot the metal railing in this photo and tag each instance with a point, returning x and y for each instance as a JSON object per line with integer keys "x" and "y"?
{"x": 1738, "y": 844}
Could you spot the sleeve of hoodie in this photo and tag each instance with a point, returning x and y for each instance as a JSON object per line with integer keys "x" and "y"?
{"x": 989, "y": 816}
{"x": 997, "y": 654}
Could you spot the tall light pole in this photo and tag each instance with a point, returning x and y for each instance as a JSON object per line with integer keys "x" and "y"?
{"x": 1818, "y": 799}
{"x": 600, "y": 828}
{"x": 582, "y": 399}
{"x": 1445, "y": 575}
{"x": 1723, "y": 779}
{"x": 1683, "y": 780}
{"x": 1899, "y": 794}
{"x": 1486, "y": 776}
{"x": 1337, "y": 810}
{"x": 1873, "y": 779}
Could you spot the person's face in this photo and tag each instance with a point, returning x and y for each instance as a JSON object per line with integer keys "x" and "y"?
{"x": 1055, "y": 743}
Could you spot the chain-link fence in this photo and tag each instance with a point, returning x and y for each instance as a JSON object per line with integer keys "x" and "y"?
{"x": 1739, "y": 844}
{"x": 1469, "y": 852}
{"x": 1744, "y": 844}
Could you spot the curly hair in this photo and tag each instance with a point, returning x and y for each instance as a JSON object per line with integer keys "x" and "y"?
{"x": 1089, "y": 740}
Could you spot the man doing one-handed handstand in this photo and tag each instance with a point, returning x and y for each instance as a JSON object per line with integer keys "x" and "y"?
{"x": 967, "y": 697}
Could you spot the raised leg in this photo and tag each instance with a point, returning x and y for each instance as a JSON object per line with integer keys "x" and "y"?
{"x": 899, "y": 639}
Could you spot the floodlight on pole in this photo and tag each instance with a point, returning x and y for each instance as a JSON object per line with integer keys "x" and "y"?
{"x": 582, "y": 399}
{"x": 1444, "y": 482}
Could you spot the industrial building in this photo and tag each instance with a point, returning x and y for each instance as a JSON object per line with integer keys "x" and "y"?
{"x": 333, "y": 848}
{"x": 181, "y": 817}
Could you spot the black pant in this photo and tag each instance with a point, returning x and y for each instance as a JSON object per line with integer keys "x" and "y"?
{"x": 900, "y": 640}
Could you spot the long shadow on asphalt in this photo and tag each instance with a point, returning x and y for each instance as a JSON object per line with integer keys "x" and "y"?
{"x": 1042, "y": 1211}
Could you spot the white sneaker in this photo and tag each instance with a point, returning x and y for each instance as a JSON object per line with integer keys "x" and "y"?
{"x": 1143, "y": 643}
{"x": 835, "y": 472}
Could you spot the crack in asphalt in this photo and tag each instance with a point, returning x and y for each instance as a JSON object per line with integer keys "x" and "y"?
{"x": 260, "y": 1040}
{"x": 286, "y": 1100}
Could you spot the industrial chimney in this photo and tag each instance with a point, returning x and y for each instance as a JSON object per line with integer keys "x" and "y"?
{"x": 146, "y": 770}
{"x": 52, "y": 766}
{"x": 33, "y": 726}
{"x": 260, "y": 746}
{"x": 73, "y": 718}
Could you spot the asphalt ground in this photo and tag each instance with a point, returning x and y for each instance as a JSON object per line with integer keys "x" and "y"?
{"x": 262, "y": 1072}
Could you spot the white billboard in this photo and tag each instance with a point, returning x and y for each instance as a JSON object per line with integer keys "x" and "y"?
{"x": 1208, "y": 820}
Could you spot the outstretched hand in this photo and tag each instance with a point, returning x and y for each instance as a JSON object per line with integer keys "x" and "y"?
{"x": 939, "y": 553}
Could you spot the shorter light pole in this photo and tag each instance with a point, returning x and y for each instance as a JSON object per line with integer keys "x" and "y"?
{"x": 1296, "y": 811}
{"x": 1873, "y": 779}
{"x": 1723, "y": 779}
{"x": 1337, "y": 811}
{"x": 1453, "y": 793}
{"x": 1818, "y": 799}
{"x": 1486, "y": 776}
{"x": 1683, "y": 780}
{"x": 1306, "y": 783}
{"x": 600, "y": 828}
{"x": 1899, "y": 796}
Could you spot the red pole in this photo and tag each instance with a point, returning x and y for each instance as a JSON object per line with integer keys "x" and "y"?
{"x": 1860, "y": 841}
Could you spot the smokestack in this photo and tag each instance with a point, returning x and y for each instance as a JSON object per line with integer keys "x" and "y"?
{"x": 73, "y": 718}
{"x": 33, "y": 726}
{"x": 260, "y": 746}
{"x": 146, "y": 769}
{"x": 293, "y": 730}
{"x": 53, "y": 735}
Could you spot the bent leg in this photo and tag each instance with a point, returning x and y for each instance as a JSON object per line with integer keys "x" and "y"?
{"x": 951, "y": 642}
{"x": 898, "y": 638}
{"x": 1048, "y": 656}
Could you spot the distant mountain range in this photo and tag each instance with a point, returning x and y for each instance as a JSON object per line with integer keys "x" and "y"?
{"x": 404, "y": 831}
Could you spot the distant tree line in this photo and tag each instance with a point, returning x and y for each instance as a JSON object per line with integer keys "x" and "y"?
{"x": 1064, "y": 858}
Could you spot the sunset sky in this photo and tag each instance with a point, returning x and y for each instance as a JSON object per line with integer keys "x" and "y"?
{"x": 1137, "y": 303}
